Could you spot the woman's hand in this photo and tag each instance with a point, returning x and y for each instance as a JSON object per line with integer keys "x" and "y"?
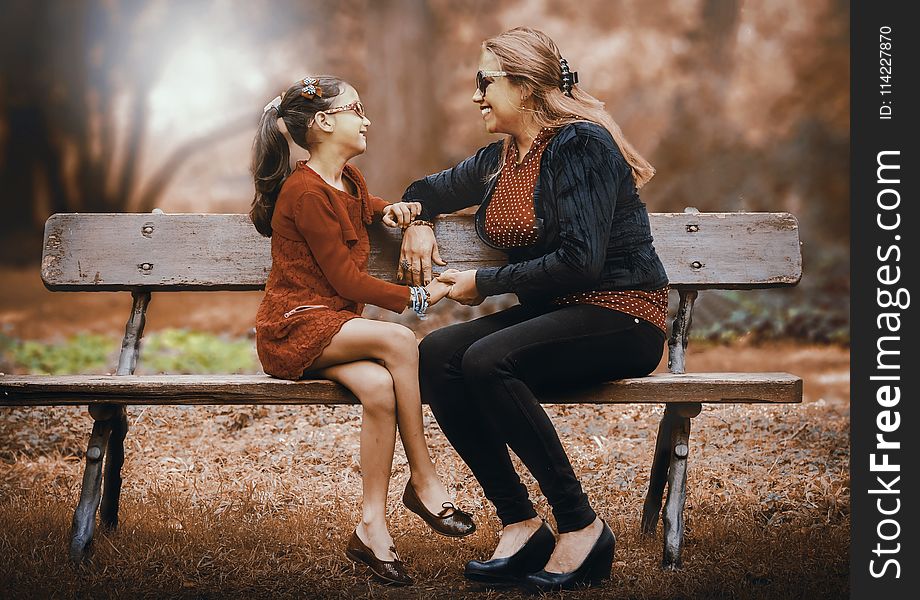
{"x": 463, "y": 286}
{"x": 400, "y": 214}
{"x": 437, "y": 290}
{"x": 419, "y": 249}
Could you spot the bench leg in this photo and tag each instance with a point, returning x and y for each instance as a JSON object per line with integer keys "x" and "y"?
{"x": 84, "y": 517}
{"x": 115, "y": 458}
{"x": 677, "y": 486}
{"x": 659, "y": 473}
{"x": 109, "y": 431}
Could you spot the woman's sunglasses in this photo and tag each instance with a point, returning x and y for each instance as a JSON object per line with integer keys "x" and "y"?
{"x": 484, "y": 79}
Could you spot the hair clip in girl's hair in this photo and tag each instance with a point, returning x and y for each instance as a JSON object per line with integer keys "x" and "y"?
{"x": 569, "y": 78}
{"x": 310, "y": 88}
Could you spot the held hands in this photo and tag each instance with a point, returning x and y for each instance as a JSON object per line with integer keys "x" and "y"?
{"x": 462, "y": 286}
{"x": 400, "y": 214}
{"x": 435, "y": 292}
{"x": 419, "y": 249}
{"x": 456, "y": 285}
{"x": 438, "y": 290}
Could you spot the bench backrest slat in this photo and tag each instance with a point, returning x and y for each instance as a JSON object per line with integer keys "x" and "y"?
{"x": 111, "y": 252}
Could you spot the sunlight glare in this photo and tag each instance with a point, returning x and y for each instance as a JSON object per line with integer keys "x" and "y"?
{"x": 202, "y": 85}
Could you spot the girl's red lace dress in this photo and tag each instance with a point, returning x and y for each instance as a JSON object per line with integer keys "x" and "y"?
{"x": 318, "y": 279}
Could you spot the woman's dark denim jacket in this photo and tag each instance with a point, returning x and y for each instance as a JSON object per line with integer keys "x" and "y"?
{"x": 593, "y": 230}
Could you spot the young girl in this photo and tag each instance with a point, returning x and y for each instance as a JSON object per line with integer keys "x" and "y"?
{"x": 310, "y": 321}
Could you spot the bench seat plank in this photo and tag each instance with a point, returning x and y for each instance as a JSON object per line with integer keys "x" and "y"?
{"x": 261, "y": 389}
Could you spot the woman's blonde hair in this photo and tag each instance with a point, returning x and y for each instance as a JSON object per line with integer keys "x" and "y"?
{"x": 531, "y": 59}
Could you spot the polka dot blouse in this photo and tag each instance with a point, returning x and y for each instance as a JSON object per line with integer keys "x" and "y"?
{"x": 511, "y": 222}
{"x": 510, "y": 219}
{"x": 648, "y": 306}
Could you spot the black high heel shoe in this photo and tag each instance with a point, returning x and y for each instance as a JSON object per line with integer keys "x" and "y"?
{"x": 509, "y": 570}
{"x": 594, "y": 569}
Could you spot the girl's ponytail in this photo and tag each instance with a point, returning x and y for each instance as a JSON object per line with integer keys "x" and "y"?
{"x": 271, "y": 158}
{"x": 271, "y": 154}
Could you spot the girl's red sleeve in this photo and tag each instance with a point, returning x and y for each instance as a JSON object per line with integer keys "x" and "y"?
{"x": 327, "y": 237}
{"x": 377, "y": 204}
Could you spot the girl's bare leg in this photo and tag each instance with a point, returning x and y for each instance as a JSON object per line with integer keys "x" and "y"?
{"x": 373, "y": 385}
{"x": 396, "y": 348}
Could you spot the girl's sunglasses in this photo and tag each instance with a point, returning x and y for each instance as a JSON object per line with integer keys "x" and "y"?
{"x": 355, "y": 106}
{"x": 484, "y": 78}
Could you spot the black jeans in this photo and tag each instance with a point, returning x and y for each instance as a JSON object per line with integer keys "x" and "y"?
{"x": 480, "y": 379}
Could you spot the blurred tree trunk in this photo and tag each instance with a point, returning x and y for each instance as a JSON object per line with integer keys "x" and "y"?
{"x": 400, "y": 40}
{"x": 69, "y": 62}
{"x": 64, "y": 67}
{"x": 29, "y": 161}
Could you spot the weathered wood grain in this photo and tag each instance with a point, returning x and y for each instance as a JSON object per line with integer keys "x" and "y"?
{"x": 35, "y": 390}
{"x": 110, "y": 252}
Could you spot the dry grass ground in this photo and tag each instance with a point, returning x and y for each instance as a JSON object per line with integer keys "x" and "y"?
{"x": 252, "y": 502}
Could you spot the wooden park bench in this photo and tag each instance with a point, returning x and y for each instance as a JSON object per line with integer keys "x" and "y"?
{"x": 157, "y": 252}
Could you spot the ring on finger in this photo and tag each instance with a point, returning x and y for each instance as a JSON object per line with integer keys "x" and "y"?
{"x": 404, "y": 264}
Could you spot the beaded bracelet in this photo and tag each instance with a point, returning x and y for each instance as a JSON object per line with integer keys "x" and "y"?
{"x": 420, "y": 297}
{"x": 425, "y": 297}
{"x": 421, "y": 222}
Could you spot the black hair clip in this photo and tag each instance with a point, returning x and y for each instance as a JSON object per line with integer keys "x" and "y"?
{"x": 569, "y": 78}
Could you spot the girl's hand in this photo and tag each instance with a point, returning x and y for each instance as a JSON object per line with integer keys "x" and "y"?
{"x": 400, "y": 214}
{"x": 419, "y": 249}
{"x": 463, "y": 286}
{"x": 438, "y": 290}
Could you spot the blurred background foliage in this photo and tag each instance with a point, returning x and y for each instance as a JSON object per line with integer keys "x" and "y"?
{"x": 175, "y": 351}
{"x": 124, "y": 105}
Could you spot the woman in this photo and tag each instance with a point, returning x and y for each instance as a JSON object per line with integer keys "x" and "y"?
{"x": 559, "y": 196}
{"x": 309, "y": 322}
